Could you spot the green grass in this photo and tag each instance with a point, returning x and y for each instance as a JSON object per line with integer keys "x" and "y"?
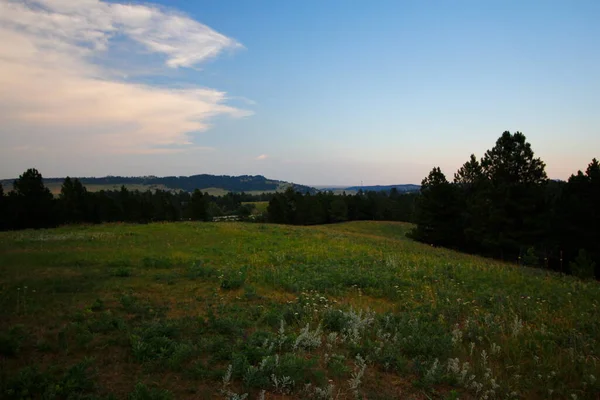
{"x": 355, "y": 310}
{"x": 260, "y": 207}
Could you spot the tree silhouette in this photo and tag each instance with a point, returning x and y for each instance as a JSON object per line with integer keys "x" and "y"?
{"x": 34, "y": 206}
{"x": 73, "y": 200}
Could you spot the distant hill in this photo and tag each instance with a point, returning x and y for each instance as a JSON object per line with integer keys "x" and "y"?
{"x": 407, "y": 188}
{"x": 378, "y": 188}
{"x": 216, "y": 183}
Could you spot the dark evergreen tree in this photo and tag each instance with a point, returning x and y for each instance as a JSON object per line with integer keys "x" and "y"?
{"x": 437, "y": 215}
{"x": 338, "y": 209}
{"x": 471, "y": 191}
{"x": 470, "y": 174}
{"x": 511, "y": 161}
{"x": 276, "y": 210}
{"x": 198, "y": 206}
{"x": 33, "y": 203}
{"x": 580, "y": 216}
{"x": 3, "y": 210}
{"x": 512, "y": 202}
{"x": 73, "y": 200}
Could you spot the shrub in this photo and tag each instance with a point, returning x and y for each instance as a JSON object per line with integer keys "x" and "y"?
{"x": 233, "y": 280}
{"x": 157, "y": 262}
{"x": 75, "y": 383}
{"x": 122, "y": 272}
{"x": 530, "y": 258}
{"x": 583, "y": 267}
{"x": 336, "y": 321}
{"x": 200, "y": 270}
{"x": 98, "y": 305}
{"x": 10, "y": 342}
{"x": 143, "y": 392}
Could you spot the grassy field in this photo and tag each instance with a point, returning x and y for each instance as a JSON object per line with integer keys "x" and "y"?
{"x": 221, "y": 310}
{"x": 260, "y": 207}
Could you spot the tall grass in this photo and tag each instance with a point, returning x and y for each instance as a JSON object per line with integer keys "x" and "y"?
{"x": 256, "y": 311}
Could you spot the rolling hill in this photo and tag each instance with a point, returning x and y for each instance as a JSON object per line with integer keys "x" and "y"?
{"x": 220, "y": 184}
{"x": 405, "y": 188}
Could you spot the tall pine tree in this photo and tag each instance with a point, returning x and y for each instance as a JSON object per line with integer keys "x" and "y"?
{"x": 512, "y": 202}
{"x": 437, "y": 216}
{"x": 34, "y": 206}
{"x": 73, "y": 200}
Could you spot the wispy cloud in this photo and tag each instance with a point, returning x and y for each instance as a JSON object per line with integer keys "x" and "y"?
{"x": 61, "y": 87}
{"x": 262, "y": 157}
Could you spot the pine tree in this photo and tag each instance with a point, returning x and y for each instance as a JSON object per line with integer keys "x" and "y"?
{"x": 338, "y": 209}
{"x": 470, "y": 183}
{"x": 470, "y": 174}
{"x": 437, "y": 215}
{"x": 511, "y": 161}
{"x": 3, "y": 210}
{"x": 198, "y": 206}
{"x": 512, "y": 203}
{"x": 579, "y": 209}
{"x": 35, "y": 203}
{"x": 73, "y": 199}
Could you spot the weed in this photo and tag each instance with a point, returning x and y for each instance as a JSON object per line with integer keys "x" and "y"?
{"x": 308, "y": 340}
{"x": 143, "y": 392}
{"x": 76, "y": 382}
{"x": 98, "y": 305}
{"x": 583, "y": 267}
{"x": 12, "y": 340}
{"x": 198, "y": 269}
{"x": 250, "y": 293}
{"x": 356, "y": 379}
{"x": 156, "y": 262}
{"x": 122, "y": 272}
{"x": 232, "y": 280}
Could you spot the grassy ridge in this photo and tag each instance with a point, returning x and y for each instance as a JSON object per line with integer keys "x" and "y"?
{"x": 199, "y": 310}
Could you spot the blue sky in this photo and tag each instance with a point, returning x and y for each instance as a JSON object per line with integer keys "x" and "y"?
{"x": 315, "y": 92}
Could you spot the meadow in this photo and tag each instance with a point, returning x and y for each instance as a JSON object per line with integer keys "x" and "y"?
{"x": 258, "y": 311}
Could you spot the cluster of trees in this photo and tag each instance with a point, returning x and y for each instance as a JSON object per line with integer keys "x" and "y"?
{"x": 504, "y": 206}
{"x": 30, "y": 204}
{"x": 292, "y": 207}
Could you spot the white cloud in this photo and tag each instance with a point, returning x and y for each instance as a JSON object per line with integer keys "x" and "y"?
{"x": 57, "y": 91}
{"x": 262, "y": 157}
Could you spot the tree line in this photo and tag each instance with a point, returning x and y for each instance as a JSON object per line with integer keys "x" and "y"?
{"x": 295, "y": 208}
{"x": 30, "y": 204}
{"x": 504, "y": 206}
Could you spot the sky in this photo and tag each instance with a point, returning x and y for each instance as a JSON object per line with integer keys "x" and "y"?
{"x": 314, "y": 92}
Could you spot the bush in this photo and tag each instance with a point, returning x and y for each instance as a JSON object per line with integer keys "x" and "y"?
{"x": 10, "y": 342}
{"x": 583, "y": 267}
{"x": 156, "y": 262}
{"x": 335, "y": 321}
{"x": 199, "y": 270}
{"x": 233, "y": 280}
{"x": 143, "y": 392}
{"x": 122, "y": 272}
{"x": 530, "y": 258}
{"x": 76, "y": 383}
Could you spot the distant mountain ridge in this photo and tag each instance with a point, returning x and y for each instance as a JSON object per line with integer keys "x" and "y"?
{"x": 242, "y": 183}
{"x": 404, "y": 188}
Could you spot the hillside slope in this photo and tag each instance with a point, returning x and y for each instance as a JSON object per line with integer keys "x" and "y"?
{"x": 195, "y": 310}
